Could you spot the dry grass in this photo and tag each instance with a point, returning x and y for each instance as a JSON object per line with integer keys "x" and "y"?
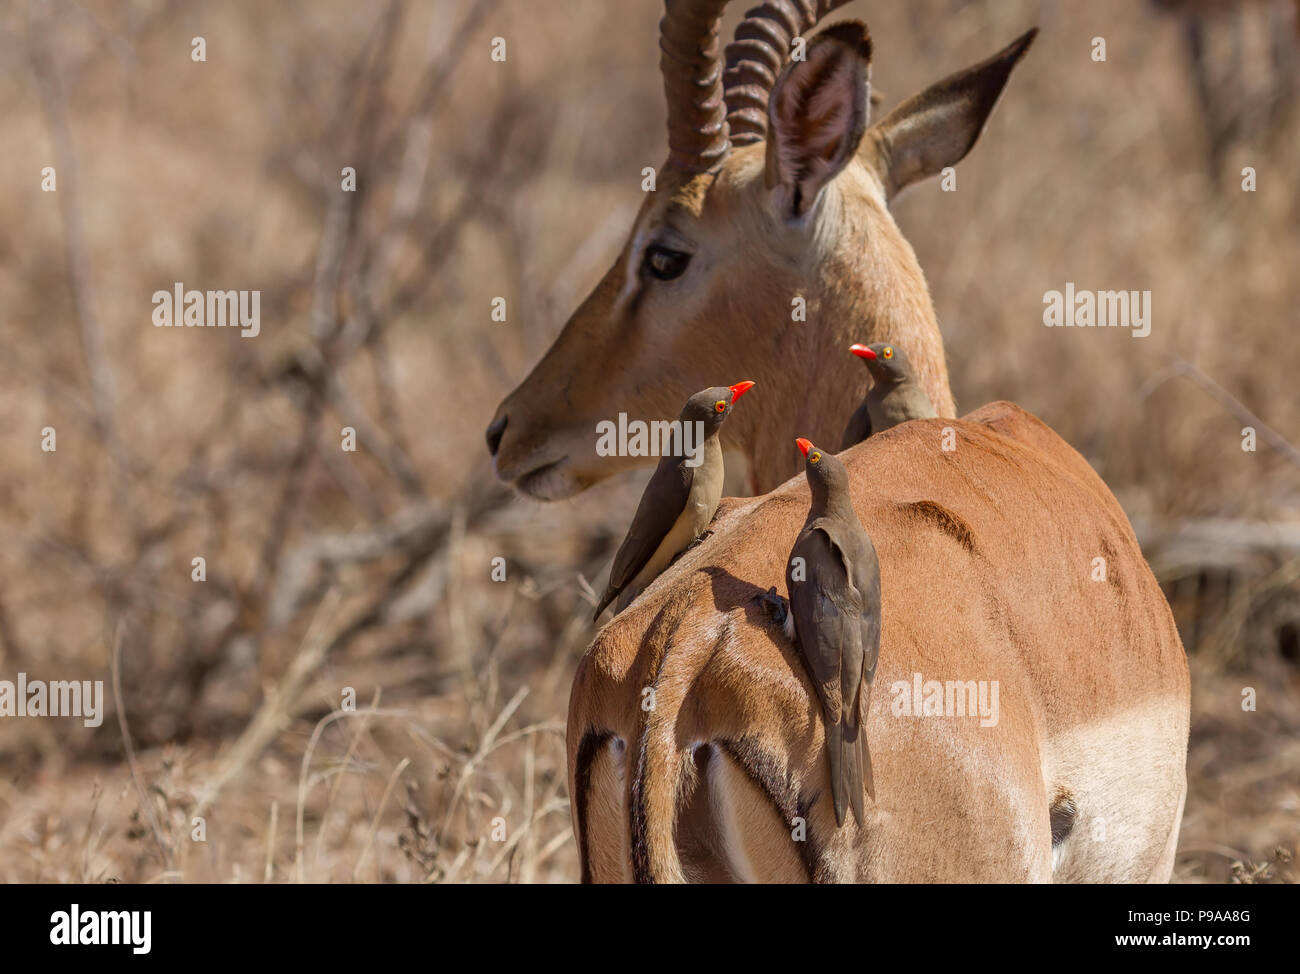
{"x": 370, "y": 570}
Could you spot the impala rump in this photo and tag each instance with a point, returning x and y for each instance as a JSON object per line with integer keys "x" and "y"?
{"x": 1082, "y": 777}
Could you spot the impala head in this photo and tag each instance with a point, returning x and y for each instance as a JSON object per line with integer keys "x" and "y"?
{"x": 887, "y": 362}
{"x": 767, "y": 238}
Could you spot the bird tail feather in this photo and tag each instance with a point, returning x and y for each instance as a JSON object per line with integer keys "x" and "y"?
{"x": 835, "y": 753}
{"x": 866, "y": 777}
{"x": 856, "y": 765}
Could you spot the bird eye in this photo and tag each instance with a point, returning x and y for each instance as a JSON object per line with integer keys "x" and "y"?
{"x": 888, "y": 352}
{"x": 720, "y": 405}
{"x": 814, "y": 456}
{"x": 664, "y": 263}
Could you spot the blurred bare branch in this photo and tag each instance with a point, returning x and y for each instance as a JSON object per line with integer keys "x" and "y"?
{"x": 76, "y": 256}
{"x": 1181, "y": 367}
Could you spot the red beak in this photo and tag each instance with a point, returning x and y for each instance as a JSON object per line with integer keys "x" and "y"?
{"x": 861, "y": 351}
{"x": 739, "y": 389}
{"x": 804, "y": 445}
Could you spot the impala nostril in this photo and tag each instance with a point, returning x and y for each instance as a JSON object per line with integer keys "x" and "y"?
{"x": 494, "y": 431}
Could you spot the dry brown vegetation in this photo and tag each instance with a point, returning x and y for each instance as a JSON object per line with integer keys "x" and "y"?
{"x": 371, "y": 570}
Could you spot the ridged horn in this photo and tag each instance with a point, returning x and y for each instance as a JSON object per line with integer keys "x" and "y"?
{"x": 692, "y": 70}
{"x": 757, "y": 55}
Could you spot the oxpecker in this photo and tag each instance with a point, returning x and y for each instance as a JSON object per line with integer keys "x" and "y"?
{"x": 834, "y": 619}
{"x": 895, "y": 396}
{"x": 679, "y": 501}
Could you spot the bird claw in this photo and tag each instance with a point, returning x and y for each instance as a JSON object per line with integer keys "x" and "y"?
{"x": 777, "y": 606}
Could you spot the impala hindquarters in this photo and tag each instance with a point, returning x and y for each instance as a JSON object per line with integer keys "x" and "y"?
{"x": 695, "y": 746}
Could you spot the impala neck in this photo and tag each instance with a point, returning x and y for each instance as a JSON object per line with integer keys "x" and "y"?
{"x": 868, "y": 288}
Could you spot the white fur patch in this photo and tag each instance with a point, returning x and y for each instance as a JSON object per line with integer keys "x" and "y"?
{"x": 729, "y": 825}
{"x": 1126, "y": 774}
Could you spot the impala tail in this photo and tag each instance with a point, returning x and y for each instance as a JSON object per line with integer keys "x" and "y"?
{"x": 628, "y": 782}
{"x": 671, "y": 779}
{"x": 626, "y": 788}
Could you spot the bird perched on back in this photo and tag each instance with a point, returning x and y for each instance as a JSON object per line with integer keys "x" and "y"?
{"x": 679, "y": 501}
{"x": 895, "y": 395}
{"x": 834, "y": 619}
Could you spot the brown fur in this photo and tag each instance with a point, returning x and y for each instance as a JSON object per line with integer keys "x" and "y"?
{"x": 985, "y": 558}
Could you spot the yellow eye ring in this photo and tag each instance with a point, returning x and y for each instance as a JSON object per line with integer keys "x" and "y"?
{"x": 720, "y": 405}
{"x": 888, "y": 352}
{"x": 814, "y": 456}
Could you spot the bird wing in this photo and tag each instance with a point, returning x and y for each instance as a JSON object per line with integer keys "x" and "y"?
{"x": 865, "y": 572}
{"x": 815, "y": 603}
{"x": 862, "y": 569}
{"x": 827, "y": 613}
{"x": 859, "y": 428}
{"x": 661, "y": 504}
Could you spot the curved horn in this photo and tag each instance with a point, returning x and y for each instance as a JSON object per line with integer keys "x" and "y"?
{"x": 692, "y": 70}
{"x": 756, "y": 57}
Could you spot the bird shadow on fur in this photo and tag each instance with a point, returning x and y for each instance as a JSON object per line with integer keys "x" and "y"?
{"x": 731, "y": 593}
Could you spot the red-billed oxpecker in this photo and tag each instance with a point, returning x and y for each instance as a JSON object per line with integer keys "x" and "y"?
{"x": 834, "y": 618}
{"x": 680, "y": 499}
{"x": 895, "y": 395}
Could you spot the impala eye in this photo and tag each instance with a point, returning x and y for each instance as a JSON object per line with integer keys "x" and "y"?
{"x": 720, "y": 405}
{"x": 815, "y": 456}
{"x": 664, "y": 263}
{"x": 888, "y": 352}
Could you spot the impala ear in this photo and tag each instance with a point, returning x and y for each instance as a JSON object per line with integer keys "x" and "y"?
{"x": 939, "y": 126}
{"x": 817, "y": 114}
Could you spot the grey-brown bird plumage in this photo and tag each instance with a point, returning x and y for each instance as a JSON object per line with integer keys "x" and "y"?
{"x": 895, "y": 395}
{"x": 834, "y": 619}
{"x": 678, "y": 503}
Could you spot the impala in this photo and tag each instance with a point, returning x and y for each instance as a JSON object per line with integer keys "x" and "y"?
{"x": 766, "y": 249}
{"x": 695, "y": 738}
